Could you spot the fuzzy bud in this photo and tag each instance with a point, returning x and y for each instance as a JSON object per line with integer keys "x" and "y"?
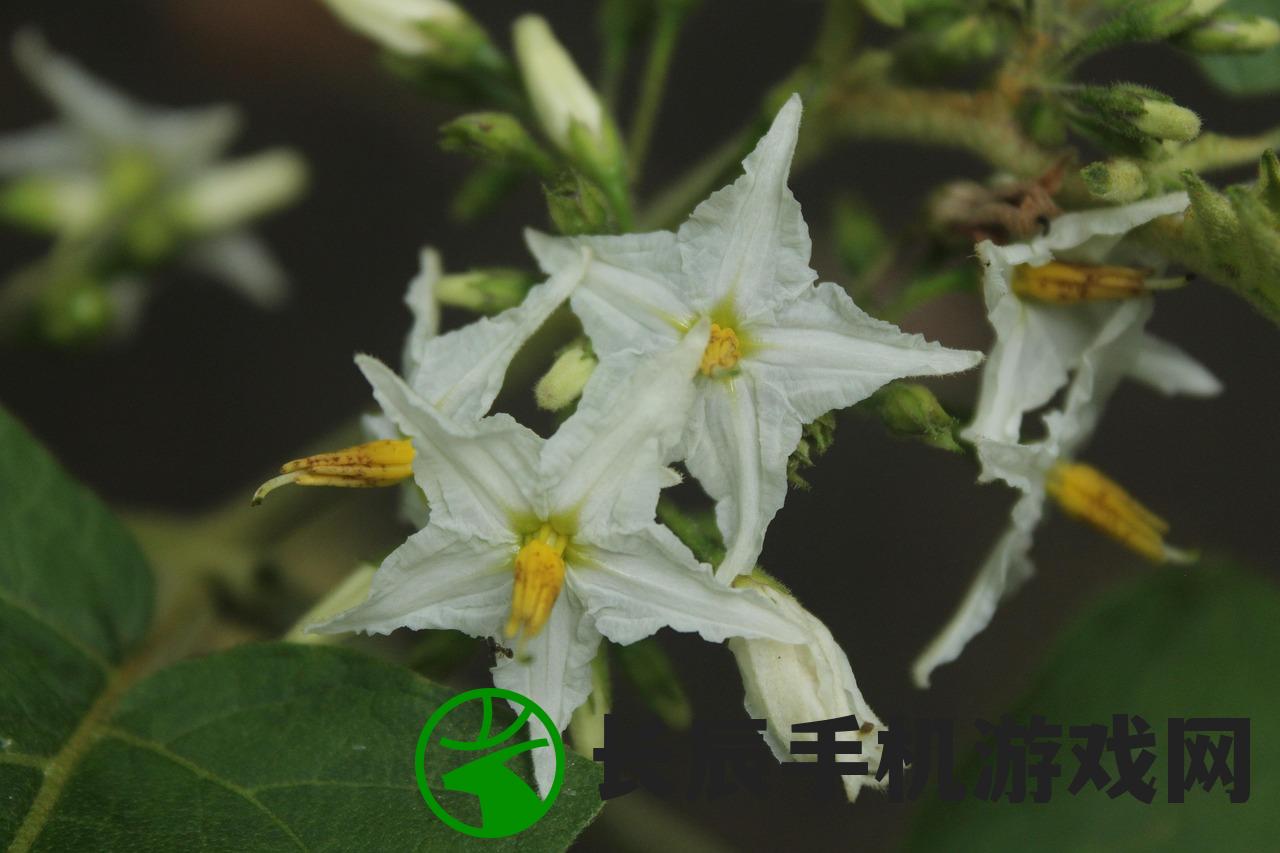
{"x": 563, "y": 383}
{"x": 497, "y": 138}
{"x": 485, "y": 291}
{"x": 405, "y": 27}
{"x": 1167, "y": 120}
{"x": 1118, "y": 180}
{"x": 1231, "y": 33}
{"x": 910, "y": 410}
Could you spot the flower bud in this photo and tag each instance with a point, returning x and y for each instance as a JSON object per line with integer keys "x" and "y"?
{"x": 495, "y": 137}
{"x": 910, "y": 410}
{"x": 1166, "y": 120}
{"x": 1269, "y": 181}
{"x": 1118, "y": 180}
{"x": 485, "y": 291}
{"x": 229, "y": 195}
{"x": 571, "y": 114}
{"x": 788, "y": 684}
{"x": 406, "y": 27}
{"x": 567, "y": 377}
{"x": 578, "y": 206}
{"x": 1232, "y": 33}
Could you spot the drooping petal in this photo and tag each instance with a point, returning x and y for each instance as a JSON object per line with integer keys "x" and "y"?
{"x": 554, "y": 670}
{"x": 790, "y": 683}
{"x": 633, "y": 584}
{"x": 1088, "y": 236}
{"x": 1006, "y": 568}
{"x": 1169, "y": 370}
{"x": 749, "y": 242}
{"x": 244, "y": 263}
{"x": 477, "y": 476}
{"x": 436, "y": 579}
{"x": 605, "y": 465}
{"x": 462, "y": 372}
{"x": 421, "y": 299}
{"x": 826, "y": 353}
{"x": 739, "y": 436}
{"x": 631, "y": 296}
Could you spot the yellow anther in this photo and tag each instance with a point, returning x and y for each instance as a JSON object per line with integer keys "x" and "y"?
{"x": 378, "y": 463}
{"x": 1067, "y": 283}
{"x": 722, "y": 352}
{"x": 539, "y": 576}
{"x": 1088, "y": 494}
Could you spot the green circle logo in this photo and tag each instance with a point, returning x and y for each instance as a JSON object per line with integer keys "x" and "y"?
{"x": 508, "y": 804}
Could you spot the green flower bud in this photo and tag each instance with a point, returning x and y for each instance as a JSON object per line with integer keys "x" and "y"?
{"x": 563, "y": 383}
{"x": 1269, "y": 181}
{"x": 61, "y": 204}
{"x": 910, "y": 410}
{"x": 1118, "y": 180}
{"x": 485, "y": 291}
{"x": 496, "y": 137}
{"x": 578, "y": 206}
{"x": 1130, "y": 110}
{"x": 1232, "y": 33}
{"x": 229, "y": 195}
{"x": 1167, "y": 120}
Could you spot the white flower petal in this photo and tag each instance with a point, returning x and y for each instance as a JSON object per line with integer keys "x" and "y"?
{"x": 630, "y": 296}
{"x": 605, "y": 465}
{"x": 188, "y": 139}
{"x": 436, "y": 579}
{"x": 826, "y": 353}
{"x": 477, "y": 476}
{"x": 739, "y": 436}
{"x": 749, "y": 242}
{"x": 462, "y": 372}
{"x": 1169, "y": 370}
{"x": 242, "y": 262}
{"x": 421, "y": 299}
{"x": 1006, "y": 568}
{"x": 51, "y": 147}
{"x": 790, "y": 683}
{"x": 94, "y": 108}
{"x": 1084, "y": 235}
{"x": 634, "y": 584}
{"x": 554, "y": 670}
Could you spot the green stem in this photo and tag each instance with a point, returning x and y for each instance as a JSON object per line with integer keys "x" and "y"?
{"x": 671, "y": 17}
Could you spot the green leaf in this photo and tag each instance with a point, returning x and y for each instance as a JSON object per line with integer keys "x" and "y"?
{"x": 1194, "y": 643}
{"x": 1246, "y": 74}
{"x": 266, "y": 747}
{"x": 889, "y": 12}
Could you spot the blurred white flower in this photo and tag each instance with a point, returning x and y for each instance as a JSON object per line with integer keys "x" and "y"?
{"x": 402, "y": 26}
{"x": 1095, "y": 338}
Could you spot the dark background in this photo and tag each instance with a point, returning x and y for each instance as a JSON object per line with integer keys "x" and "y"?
{"x": 212, "y": 394}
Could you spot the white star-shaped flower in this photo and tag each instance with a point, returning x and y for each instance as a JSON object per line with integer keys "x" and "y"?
{"x": 554, "y": 541}
{"x": 162, "y": 165}
{"x": 1038, "y": 347}
{"x": 783, "y": 351}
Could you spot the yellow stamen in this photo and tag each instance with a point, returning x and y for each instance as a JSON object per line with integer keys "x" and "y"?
{"x": 377, "y": 463}
{"x": 722, "y": 352}
{"x": 1088, "y": 494}
{"x": 539, "y": 576}
{"x": 1067, "y": 283}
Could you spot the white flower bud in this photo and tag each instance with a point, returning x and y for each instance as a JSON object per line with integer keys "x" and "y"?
{"x": 562, "y": 384}
{"x": 561, "y": 95}
{"x": 788, "y": 684}
{"x": 397, "y": 25}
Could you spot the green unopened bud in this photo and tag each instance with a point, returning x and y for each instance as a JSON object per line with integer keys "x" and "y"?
{"x": 63, "y": 204}
{"x": 1269, "y": 181}
{"x": 405, "y": 27}
{"x": 497, "y": 138}
{"x": 577, "y": 206}
{"x": 910, "y": 410}
{"x": 351, "y": 592}
{"x": 1118, "y": 180}
{"x": 1261, "y": 233}
{"x": 1232, "y": 33}
{"x": 568, "y": 109}
{"x": 647, "y": 666}
{"x": 231, "y": 194}
{"x": 563, "y": 383}
{"x": 586, "y": 726}
{"x": 1167, "y": 120}
{"x": 485, "y": 291}
{"x": 1213, "y": 220}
